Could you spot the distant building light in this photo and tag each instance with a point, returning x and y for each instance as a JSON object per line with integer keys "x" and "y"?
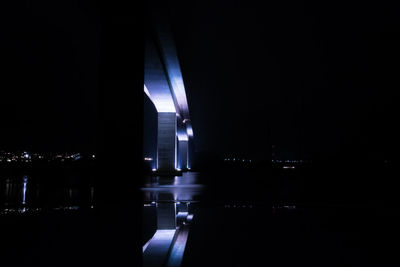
{"x": 289, "y": 167}
{"x": 148, "y": 159}
{"x": 290, "y": 207}
{"x": 154, "y": 169}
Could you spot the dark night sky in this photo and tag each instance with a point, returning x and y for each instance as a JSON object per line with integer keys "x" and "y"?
{"x": 49, "y": 59}
{"x": 316, "y": 79}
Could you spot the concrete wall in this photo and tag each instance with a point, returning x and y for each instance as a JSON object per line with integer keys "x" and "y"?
{"x": 166, "y": 141}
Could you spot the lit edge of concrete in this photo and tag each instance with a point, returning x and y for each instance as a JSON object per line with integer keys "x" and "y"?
{"x": 177, "y": 244}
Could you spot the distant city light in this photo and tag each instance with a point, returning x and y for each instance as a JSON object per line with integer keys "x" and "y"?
{"x": 148, "y": 159}
{"x": 154, "y": 169}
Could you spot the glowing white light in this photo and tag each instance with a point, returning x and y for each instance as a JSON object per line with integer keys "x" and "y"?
{"x": 146, "y": 91}
{"x": 154, "y": 169}
{"x": 162, "y": 100}
{"x": 182, "y": 136}
{"x": 148, "y": 159}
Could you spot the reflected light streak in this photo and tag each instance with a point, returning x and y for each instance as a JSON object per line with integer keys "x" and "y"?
{"x": 24, "y": 190}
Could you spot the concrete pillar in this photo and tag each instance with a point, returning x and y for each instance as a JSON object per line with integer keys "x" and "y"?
{"x": 166, "y": 142}
{"x": 183, "y": 154}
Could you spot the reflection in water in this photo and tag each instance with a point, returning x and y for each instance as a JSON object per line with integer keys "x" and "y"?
{"x": 25, "y": 182}
{"x": 167, "y": 209}
{"x": 169, "y": 206}
{"x": 14, "y": 194}
{"x": 30, "y": 193}
{"x": 178, "y": 188}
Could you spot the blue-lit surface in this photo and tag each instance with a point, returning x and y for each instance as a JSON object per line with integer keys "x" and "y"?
{"x": 170, "y": 58}
{"x": 164, "y": 86}
{"x": 156, "y": 251}
{"x": 178, "y": 249}
{"x": 156, "y": 84}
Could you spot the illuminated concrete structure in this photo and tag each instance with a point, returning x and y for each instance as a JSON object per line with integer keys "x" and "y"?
{"x": 163, "y": 84}
{"x": 170, "y": 205}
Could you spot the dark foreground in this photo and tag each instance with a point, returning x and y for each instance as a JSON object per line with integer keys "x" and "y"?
{"x": 242, "y": 217}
